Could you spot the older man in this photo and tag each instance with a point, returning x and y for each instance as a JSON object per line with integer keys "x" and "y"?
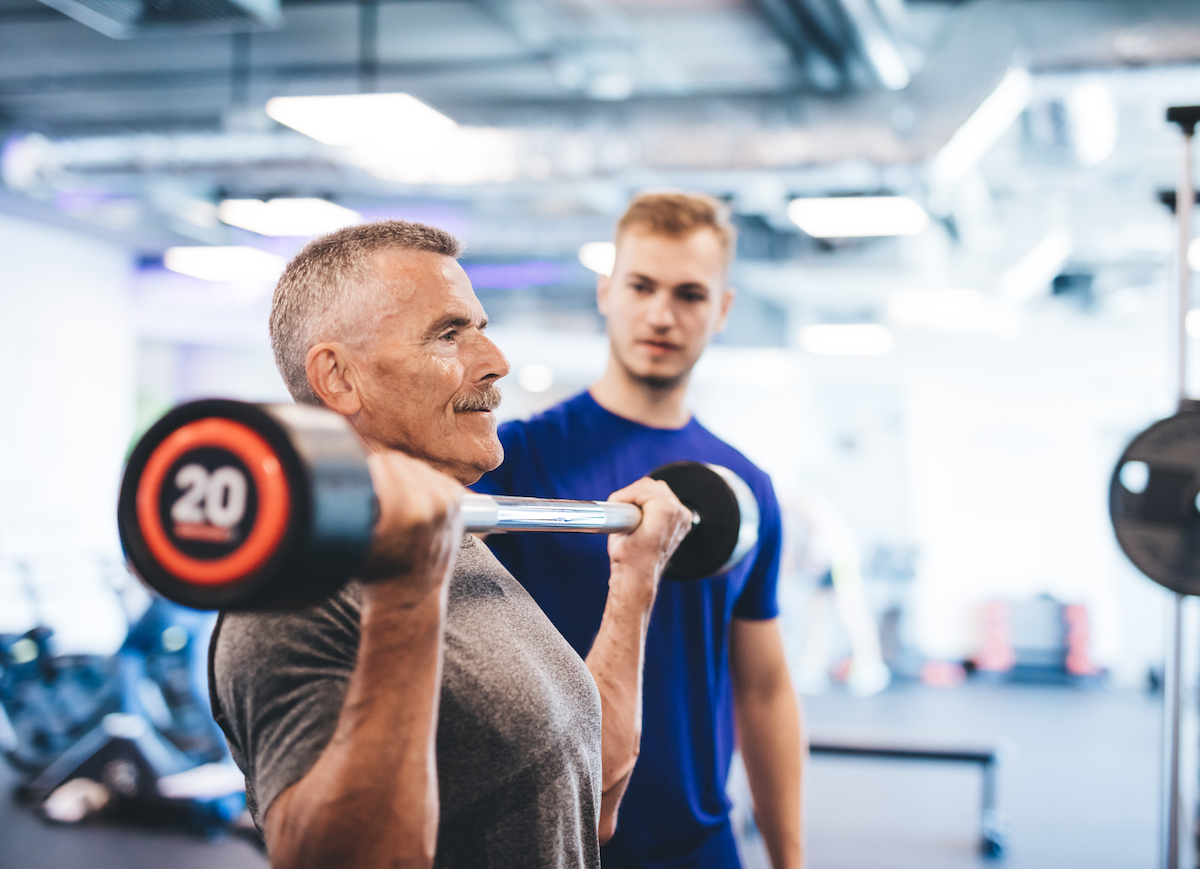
{"x": 430, "y": 714}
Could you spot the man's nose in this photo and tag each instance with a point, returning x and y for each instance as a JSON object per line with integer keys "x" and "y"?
{"x": 659, "y": 312}
{"x": 493, "y": 363}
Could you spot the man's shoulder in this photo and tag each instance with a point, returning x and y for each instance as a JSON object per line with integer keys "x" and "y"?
{"x": 723, "y": 453}
{"x": 246, "y": 639}
{"x": 554, "y": 416}
{"x": 560, "y": 422}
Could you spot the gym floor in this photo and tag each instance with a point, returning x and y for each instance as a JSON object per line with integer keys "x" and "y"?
{"x": 1079, "y": 789}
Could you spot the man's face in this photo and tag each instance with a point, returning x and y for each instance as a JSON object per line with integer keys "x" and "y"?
{"x": 427, "y": 373}
{"x": 665, "y": 300}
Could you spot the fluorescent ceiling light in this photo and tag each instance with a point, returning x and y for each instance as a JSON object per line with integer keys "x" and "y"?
{"x": 287, "y": 217}
{"x": 858, "y": 216}
{"x": 356, "y": 119}
{"x": 463, "y": 155}
{"x": 1033, "y": 273}
{"x": 224, "y": 264}
{"x": 599, "y": 256}
{"x": 1194, "y": 255}
{"x": 985, "y": 126}
{"x": 536, "y": 378}
{"x": 847, "y": 339}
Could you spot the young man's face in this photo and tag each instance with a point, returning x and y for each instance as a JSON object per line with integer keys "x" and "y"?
{"x": 665, "y": 300}
{"x": 427, "y": 372}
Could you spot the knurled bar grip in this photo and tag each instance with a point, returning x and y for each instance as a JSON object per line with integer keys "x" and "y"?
{"x": 490, "y": 513}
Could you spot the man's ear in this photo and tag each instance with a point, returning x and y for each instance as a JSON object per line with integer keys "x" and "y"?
{"x": 603, "y": 282}
{"x": 727, "y": 298}
{"x": 332, "y": 377}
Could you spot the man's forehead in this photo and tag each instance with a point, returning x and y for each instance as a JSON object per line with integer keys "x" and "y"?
{"x": 404, "y": 266}
{"x": 698, "y": 254}
{"x": 425, "y": 287}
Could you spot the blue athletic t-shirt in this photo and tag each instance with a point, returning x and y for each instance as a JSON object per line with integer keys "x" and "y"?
{"x": 675, "y": 813}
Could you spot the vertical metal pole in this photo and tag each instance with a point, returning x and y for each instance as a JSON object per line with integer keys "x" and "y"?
{"x": 1186, "y": 117}
{"x": 1171, "y": 721}
{"x": 1184, "y": 203}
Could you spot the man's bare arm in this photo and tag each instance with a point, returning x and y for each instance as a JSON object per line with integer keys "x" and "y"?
{"x": 371, "y": 800}
{"x": 619, "y": 650}
{"x": 770, "y": 736}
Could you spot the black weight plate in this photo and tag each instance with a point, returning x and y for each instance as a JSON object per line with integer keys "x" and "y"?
{"x": 329, "y": 520}
{"x": 143, "y": 557}
{"x": 1152, "y": 502}
{"x": 710, "y": 543}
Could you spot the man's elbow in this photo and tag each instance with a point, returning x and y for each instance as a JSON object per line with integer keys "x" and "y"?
{"x": 301, "y": 835}
{"x": 608, "y": 827}
{"x": 610, "y": 804}
{"x": 338, "y": 852}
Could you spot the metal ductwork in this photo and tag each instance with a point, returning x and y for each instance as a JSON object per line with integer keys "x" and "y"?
{"x": 125, "y": 19}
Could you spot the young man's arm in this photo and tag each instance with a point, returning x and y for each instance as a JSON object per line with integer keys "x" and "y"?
{"x": 619, "y": 650}
{"x": 770, "y": 736}
{"x": 371, "y": 800}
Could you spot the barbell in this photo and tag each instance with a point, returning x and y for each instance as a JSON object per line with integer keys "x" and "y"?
{"x": 231, "y": 505}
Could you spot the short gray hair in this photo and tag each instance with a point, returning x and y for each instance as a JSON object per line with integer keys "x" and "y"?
{"x": 328, "y": 288}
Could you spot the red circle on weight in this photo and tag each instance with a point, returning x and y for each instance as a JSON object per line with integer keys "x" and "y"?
{"x": 274, "y": 499}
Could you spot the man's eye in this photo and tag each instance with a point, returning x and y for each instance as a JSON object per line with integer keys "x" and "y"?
{"x": 641, "y": 287}
{"x": 450, "y": 336}
{"x": 693, "y": 297}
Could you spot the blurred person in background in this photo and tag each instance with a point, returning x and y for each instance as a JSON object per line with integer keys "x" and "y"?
{"x": 714, "y": 652}
{"x": 825, "y": 549}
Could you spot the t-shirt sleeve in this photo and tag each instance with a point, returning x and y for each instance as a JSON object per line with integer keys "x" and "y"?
{"x": 759, "y": 598}
{"x": 281, "y": 679}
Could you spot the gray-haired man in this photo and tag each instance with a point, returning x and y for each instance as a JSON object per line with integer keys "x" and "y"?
{"x": 430, "y": 714}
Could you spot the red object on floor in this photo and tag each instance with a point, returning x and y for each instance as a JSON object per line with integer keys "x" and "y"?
{"x": 943, "y": 674}
{"x": 1079, "y": 641}
{"x": 996, "y": 654}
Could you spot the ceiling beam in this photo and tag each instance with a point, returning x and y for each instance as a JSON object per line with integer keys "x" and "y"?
{"x": 189, "y": 79}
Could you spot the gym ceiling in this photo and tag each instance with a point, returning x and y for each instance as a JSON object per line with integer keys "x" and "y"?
{"x": 131, "y": 119}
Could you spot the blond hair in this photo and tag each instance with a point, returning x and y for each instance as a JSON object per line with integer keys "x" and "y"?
{"x": 331, "y": 292}
{"x": 677, "y": 214}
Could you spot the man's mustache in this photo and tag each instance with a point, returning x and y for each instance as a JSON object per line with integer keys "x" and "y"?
{"x": 486, "y": 397}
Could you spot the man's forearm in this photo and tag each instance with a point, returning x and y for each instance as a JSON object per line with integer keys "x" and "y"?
{"x": 773, "y": 750}
{"x": 770, "y": 735}
{"x": 615, "y": 661}
{"x": 371, "y": 799}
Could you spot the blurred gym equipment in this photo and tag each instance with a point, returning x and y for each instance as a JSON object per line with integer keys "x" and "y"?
{"x": 1154, "y": 491}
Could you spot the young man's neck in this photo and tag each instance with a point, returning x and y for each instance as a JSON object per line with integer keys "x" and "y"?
{"x": 658, "y": 407}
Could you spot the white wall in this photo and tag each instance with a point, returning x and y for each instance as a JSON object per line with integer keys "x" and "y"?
{"x": 68, "y": 336}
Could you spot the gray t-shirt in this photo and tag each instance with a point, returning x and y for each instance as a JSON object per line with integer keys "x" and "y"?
{"x": 518, "y": 736}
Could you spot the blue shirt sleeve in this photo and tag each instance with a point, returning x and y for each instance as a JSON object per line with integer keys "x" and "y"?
{"x": 759, "y": 599}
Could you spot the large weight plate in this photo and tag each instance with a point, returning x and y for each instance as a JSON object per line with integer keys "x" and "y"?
{"x": 227, "y": 505}
{"x": 1153, "y": 502}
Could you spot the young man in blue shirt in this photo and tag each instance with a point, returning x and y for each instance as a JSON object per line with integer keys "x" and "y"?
{"x": 714, "y": 653}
